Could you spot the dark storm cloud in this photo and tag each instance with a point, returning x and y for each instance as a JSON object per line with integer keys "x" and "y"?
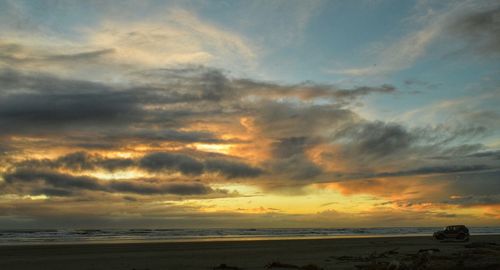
{"x": 57, "y": 184}
{"x": 288, "y": 147}
{"x": 215, "y": 85}
{"x": 114, "y": 164}
{"x": 481, "y": 29}
{"x": 52, "y": 179}
{"x": 375, "y": 139}
{"x": 284, "y": 120}
{"x": 289, "y": 158}
{"x": 376, "y": 142}
{"x": 113, "y": 138}
{"x": 231, "y": 169}
{"x": 179, "y": 85}
{"x": 78, "y": 161}
{"x": 157, "y": 162}
{"x": 162, "y": 161}
{"x": 35, "y": 103}
{"x": 17, "y": 111}
{"x": 40, "y": 104}
{"x": 50, "y": 100}
{"x": 297, "y": 167}
{"x": 172, "y": 135}
{"x": 196, "y": 83}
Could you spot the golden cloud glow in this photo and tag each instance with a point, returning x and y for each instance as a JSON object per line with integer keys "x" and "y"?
{"x": 172, "y": 117}
{"x": 181, "y": 39}
{"x": 214, "y": 148}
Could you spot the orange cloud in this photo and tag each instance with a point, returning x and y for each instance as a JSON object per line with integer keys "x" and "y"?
{"x": 388, "y": 188}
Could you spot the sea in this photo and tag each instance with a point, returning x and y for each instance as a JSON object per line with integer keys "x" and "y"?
{"x": 29, "y": 237}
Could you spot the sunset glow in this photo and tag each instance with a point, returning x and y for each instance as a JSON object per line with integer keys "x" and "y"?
{"x": 249, "y": 113}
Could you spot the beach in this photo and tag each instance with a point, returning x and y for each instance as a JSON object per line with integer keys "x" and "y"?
{"x": 481, "y": 252}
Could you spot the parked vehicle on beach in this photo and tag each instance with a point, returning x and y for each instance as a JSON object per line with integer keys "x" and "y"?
{"x": 458, "y": 232}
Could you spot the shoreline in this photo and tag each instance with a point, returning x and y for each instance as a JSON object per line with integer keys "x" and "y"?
{"x": 208, "y": 239}
{"x": 339, "y": 253}
{"x": 222, "y": 239}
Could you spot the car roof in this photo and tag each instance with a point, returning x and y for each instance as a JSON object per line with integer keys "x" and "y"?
{"x": 455, "y": 226}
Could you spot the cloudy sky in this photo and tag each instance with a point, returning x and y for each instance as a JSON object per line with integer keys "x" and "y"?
{"x": 249, "y": 113}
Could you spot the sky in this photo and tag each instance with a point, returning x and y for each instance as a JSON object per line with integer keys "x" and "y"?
{"x": 176, "y": 114}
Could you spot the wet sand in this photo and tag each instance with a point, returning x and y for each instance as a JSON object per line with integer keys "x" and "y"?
{"x": 482, "y": 252}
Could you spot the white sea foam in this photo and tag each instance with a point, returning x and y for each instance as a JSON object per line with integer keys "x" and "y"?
{"x": 8, "y": 237}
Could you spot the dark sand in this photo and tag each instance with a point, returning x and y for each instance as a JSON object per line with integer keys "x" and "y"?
{"x": 355, "y": 253}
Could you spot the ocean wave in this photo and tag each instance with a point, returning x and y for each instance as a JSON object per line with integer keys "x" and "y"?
{"x": 138, "y": 234}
